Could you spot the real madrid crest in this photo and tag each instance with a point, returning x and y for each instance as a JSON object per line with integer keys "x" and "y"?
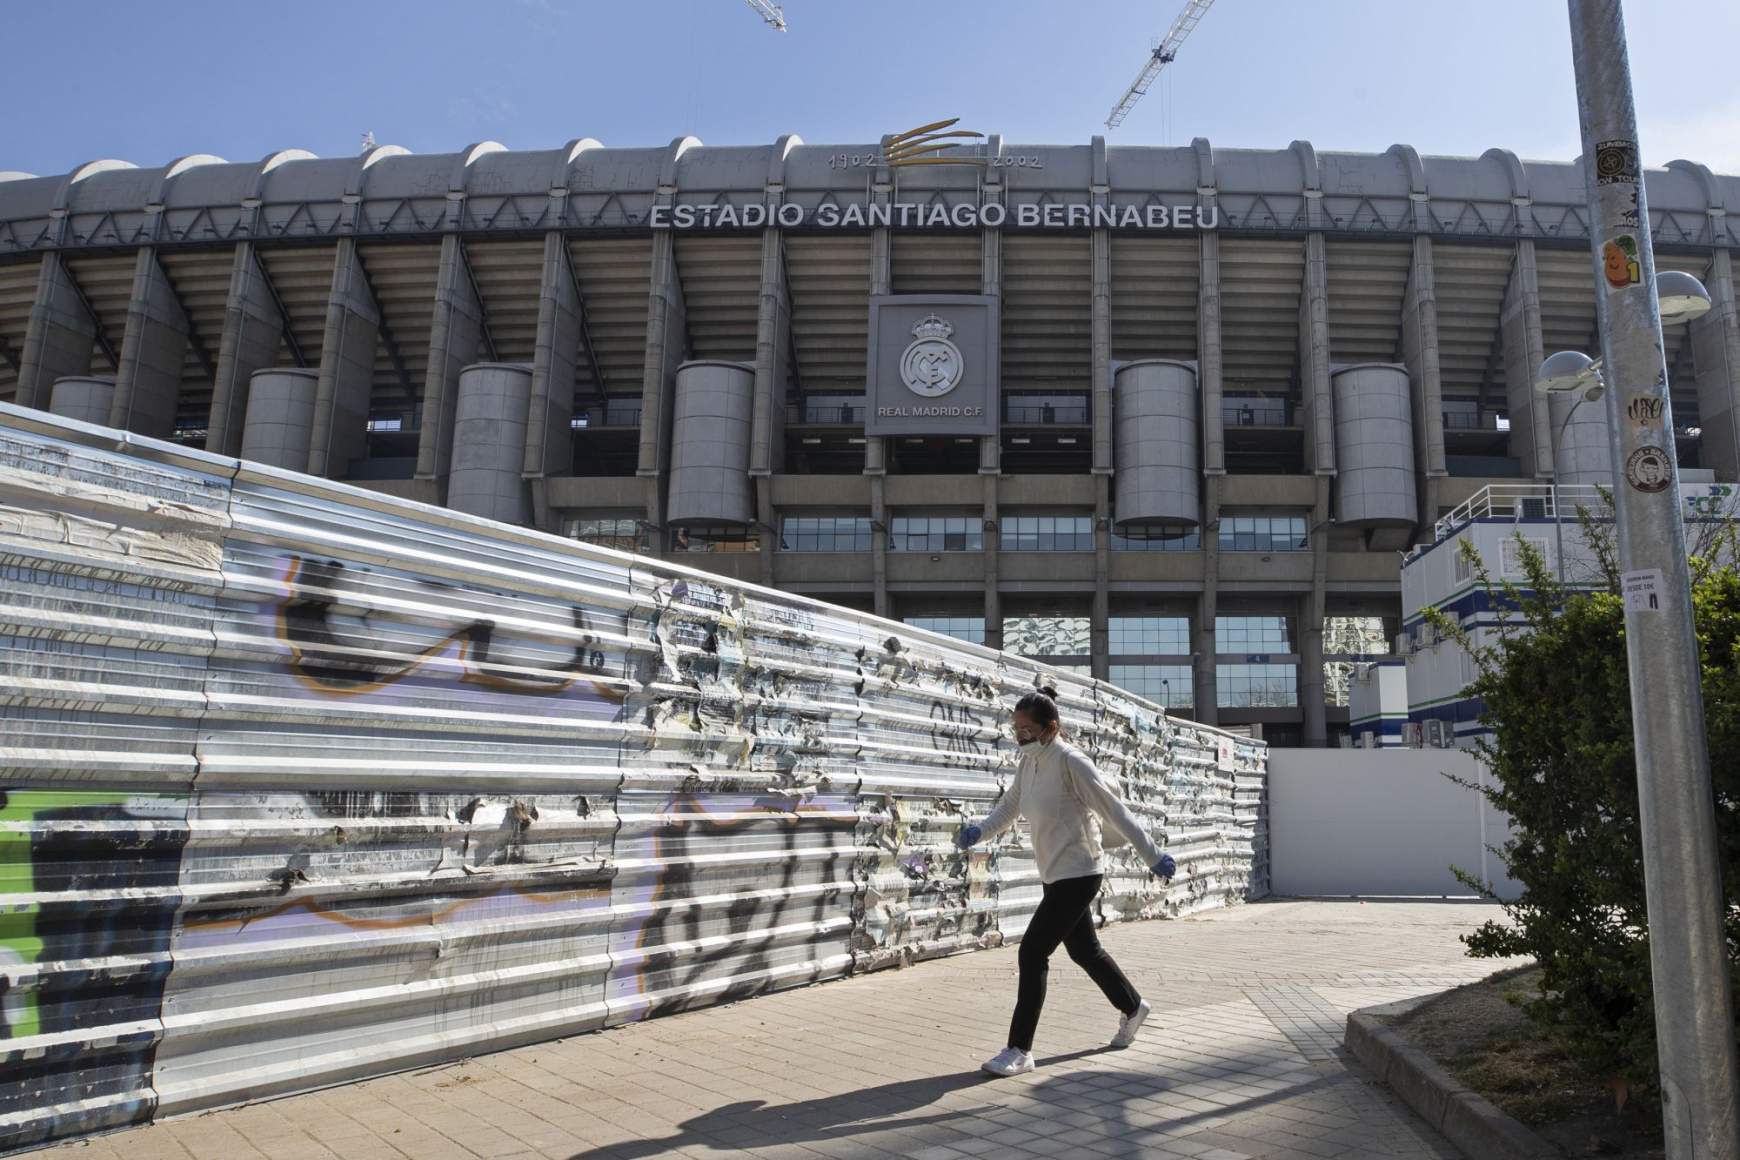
{"x": 931, "y": 366}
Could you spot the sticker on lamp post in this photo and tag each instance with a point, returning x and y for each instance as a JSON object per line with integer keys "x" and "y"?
{"x": 1646, "y": 410}
{"x": 1649, "y": 469}
{"x": 1615, "y": 162}
{"x": 1642, "y": 590}
{"x": 1619, "y": 263}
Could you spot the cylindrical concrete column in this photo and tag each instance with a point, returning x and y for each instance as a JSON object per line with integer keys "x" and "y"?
{"x": 1158, "y": 444}
{"x": 489, "y": 443}
{"x": 86, "y": 398}
{"x": 1585, "y": 455}
{"x": 710, "y": 439}
{"x": 1374, "y": 446}
{"x": 279, "y": 426}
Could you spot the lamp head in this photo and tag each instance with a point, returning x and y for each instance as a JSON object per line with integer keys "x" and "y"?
{"x": 1567, "y": 370}
{"x": 1681, "y": 297}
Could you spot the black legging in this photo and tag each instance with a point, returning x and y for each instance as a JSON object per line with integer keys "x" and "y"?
{"x": 1064, "y": 915}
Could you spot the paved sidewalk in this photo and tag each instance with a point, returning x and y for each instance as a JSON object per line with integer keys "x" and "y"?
{"x": 1241, "y": 1059}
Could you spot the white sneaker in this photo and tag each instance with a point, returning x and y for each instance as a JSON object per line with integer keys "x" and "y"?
{"x": 1009, "y": 1061}
{"x": 1129, "y": 1024}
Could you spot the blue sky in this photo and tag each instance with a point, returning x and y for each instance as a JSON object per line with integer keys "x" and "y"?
{"x": 147, "y": 82}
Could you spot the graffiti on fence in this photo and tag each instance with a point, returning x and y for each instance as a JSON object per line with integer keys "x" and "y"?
{"x": 114, "y": 858}
{"x": 350, "y": 631}
{"x": 88, "y": 896}
{"x": 799, "y": 880}
{"x": 955, "y": 728}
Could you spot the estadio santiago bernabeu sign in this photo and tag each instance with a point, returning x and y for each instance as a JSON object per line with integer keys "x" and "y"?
{"x": 938, "y": 143}
{"x": 933, "y": 366}
{"x": 936, "y": 215}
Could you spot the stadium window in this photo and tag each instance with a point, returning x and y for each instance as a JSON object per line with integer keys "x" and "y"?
{"x": 1263, "y": 686}
{"x": 1156, "y": 538}
{"x": 1148, "y": 636}
{"x": 1355, "y": 636}
{"x": 624, "y": 533}
{"x": 1252, "y": 634}
{"x": 937, "y": 534}
{"x": 968, "y": 628}
{"x": 1262, "y": 532}
{"x": 824, "y": 534}
{"x": 1348, "y": 640}
{"x": 1046, "y": 636}
{"x": 715, "y": 538}
{"x": 1047, "y": 534}
{"x": 1166, "y": 685}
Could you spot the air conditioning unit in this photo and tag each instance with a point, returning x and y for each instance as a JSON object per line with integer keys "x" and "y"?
{"x": 1368, "y": 740}
{"x": 1435, "y": 731}
{"x": 1411, "y": 734}
{"x": 1403, "y": 643}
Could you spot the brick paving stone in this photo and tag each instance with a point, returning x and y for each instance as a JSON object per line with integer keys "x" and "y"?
{"x": 1241, "y": 1059}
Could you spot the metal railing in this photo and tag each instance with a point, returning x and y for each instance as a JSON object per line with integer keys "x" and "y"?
{"x": 1071, "y": 416}
{"x": 1521, "y": 501}
{"x": 614, "y": 417}
{"x": 845, "y": 415}
{"x": 1268, "y": 415}
{"x": 1467, "y": 421}
{"x": 1544, "y": 502}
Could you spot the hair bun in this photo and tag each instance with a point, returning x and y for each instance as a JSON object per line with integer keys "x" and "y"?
{"x": 1049, "y": 691}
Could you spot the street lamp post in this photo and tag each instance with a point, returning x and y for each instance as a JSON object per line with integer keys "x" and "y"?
{"x": 1694, "y": 1016}
{"x": 1588, "y": 396}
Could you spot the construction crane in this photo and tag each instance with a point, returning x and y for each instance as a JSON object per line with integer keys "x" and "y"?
{"x": 1158, "y": 59}
{"x": 772, "y": 13}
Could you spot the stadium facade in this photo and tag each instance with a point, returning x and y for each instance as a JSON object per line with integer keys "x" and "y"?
{"x": 1166, "y": 415}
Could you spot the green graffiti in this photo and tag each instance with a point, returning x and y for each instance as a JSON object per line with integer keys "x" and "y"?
{"x": 21, "y": 941}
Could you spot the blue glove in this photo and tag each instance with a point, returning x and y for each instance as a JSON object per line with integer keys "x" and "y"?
{"x": 1165, "y": 868}
{"x": 968, "y": 837}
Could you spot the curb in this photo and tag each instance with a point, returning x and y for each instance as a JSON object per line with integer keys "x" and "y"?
{"x": 1478, "y": 1129}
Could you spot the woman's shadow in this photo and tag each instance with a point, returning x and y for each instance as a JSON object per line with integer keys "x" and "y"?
{"x": 749, "y": 1123}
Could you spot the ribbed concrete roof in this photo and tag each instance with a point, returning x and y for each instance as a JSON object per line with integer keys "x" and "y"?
{"x": 488, "y": 187}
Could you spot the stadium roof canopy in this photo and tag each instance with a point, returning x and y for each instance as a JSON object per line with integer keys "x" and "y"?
{"x": 584, "y": 186}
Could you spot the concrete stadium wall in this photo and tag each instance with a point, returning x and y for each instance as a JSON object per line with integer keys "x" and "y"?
{"x": 1381, "y": 822}
{"x": 303, "y": 783}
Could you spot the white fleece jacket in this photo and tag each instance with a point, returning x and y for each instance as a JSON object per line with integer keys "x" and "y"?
{"x": 1066, "y": 832}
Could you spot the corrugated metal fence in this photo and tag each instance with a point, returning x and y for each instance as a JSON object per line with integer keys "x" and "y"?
{"x": 299, "y": 783}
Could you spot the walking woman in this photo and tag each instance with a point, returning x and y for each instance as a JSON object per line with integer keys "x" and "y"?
{"x": 1064, "y": 799}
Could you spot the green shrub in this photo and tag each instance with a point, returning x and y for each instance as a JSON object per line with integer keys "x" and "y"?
{"x": 1557, "y": 698}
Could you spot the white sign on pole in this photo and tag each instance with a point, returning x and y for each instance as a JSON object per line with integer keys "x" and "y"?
{"x": 1642, "y": 590}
